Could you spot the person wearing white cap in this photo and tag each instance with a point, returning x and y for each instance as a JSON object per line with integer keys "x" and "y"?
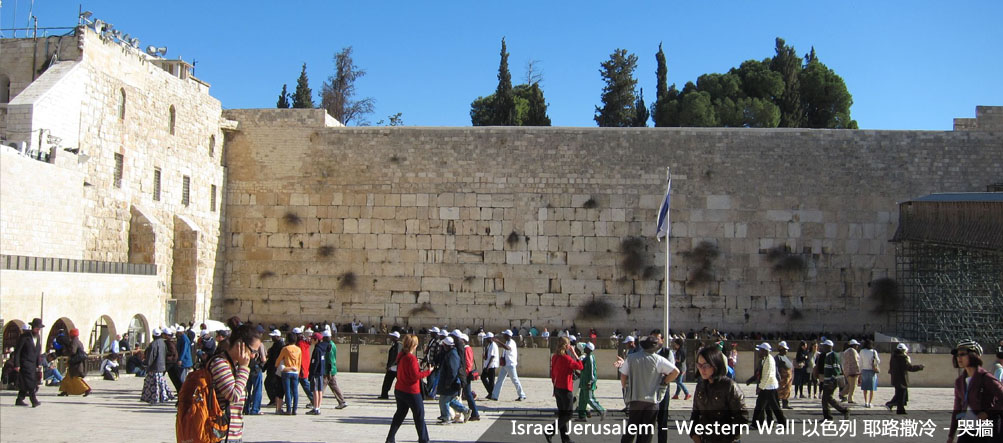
{"x": 898, "y": 369}
{"x": 587, "y": 385}
{"x": 630, "y": 347}
{"x": 467, "y": 366}
{"x": 489, "y": 367}
{"x": 391, "y": 374}
{"x": 851, "y": 369}
{"x": 785, "y": 374}
{"x": 433, "y": 353}
{"x": 832, "y": 372}
{"x": 155, "y": 387}
{"x": 509, "y": 362}
{"x": 449, "y": 385}
{"x": 767, "y": 402}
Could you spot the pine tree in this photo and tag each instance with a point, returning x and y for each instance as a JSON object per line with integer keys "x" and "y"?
{"x": 536, "y": 115}
{"x": 303, "y": 97}
{"x": 618, "y": 94}
{"x": 283, "y": 99}
{"x": 640, "y": 112}
{"x": 504, "y": 112}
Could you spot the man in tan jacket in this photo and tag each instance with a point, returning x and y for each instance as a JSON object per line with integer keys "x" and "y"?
{"x": 851, "y": 369}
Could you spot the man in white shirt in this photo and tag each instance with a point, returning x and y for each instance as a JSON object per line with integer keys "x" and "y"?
{"x": 508, "y": 362}
{"x": 766, "y": 389}
{"x": 644, "y": 378}
{"x": 115, "y": 346}
{"x": 490, "y": 366}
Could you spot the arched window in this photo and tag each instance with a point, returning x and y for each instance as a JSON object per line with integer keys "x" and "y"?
{"x": 4, "y": 88}
{"x": 121, "y": 104}
{"x": 212, "y": 145}
{"x": 172, "y": 119}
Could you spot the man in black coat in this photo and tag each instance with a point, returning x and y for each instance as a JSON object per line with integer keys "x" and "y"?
{"x": 391, "y": 375}
{"x": 28, "y": 363}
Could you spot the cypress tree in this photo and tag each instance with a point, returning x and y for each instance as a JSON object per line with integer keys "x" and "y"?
{"x": 537, "y": 113}
{"x": 618, "y": 94}
{"x": 283, "y": 99}
{"x": 787, "y": 63}
{"x": 662, "y": 88}
{"x": 640, "y": 112}
{"x": 504, "y": 112}
{"x": 303, "y": 97}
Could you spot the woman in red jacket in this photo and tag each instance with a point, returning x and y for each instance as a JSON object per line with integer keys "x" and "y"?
{"x": 407, "y": 392}
{"x": 562, "y": 366}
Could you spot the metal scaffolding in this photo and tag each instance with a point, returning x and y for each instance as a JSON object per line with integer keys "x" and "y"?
{"x": 949, "y": 267}
{"x": 950, "y": 293}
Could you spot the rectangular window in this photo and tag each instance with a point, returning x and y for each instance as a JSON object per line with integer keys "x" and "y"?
{"x": 156, "y": 184}
{"x": 119, "y": 159}
{"x": 185, "y": 188}
{"x": 212, "y": 198}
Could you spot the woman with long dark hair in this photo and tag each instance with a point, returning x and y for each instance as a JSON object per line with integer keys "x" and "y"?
{"x": 977, "y": 394}
{"x": 273, "y": 380}
{"x": 230, "y": 368}
{"x": 717, "y": 400}
{"x": 407, "y": 391}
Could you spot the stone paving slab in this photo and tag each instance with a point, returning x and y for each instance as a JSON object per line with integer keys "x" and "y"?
{"x": 114, "y": 413}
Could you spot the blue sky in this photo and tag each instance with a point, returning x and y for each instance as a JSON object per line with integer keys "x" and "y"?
{"x": 909, "y": 65}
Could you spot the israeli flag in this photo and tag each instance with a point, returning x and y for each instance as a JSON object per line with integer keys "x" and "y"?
{"x": 662, "y": 226}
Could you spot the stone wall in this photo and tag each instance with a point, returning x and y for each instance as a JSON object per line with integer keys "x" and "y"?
{"x": 507, "y": 226}
{"x": 101, "y": 76}
{"x": 41, "y": 208}
{"x": 81, "y": 299}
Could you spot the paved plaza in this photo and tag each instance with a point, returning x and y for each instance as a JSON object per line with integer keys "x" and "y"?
{"x": 113, "y": 413}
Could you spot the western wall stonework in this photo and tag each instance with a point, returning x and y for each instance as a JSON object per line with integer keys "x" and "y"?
{"x": 772, "y": 229}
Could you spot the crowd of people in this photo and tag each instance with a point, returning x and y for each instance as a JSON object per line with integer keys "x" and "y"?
{"x": 245, "y": 374}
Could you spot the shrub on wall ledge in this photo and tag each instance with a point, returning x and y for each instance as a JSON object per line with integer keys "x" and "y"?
{"x": 595, "y": 310}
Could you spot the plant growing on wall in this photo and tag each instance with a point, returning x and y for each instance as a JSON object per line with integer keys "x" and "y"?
{"x": 347, "y": 280}
{"x": 291, "y": 218}
{"x": 632, "y": 256}
{"x": 591, "y": 203}
{"x": 424, "y": 308}
{"x": 784, "y": 260}
{"x": 702, "y": 256}
{"x": 595, "y": 310}
{"x": 885, "y": 294}
{"x": 325, "y": 251}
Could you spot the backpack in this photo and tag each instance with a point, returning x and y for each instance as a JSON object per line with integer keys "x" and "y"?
{"x": 200, "y": 417}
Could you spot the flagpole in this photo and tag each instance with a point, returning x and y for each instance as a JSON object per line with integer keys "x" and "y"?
{"x": 668, "y": 257}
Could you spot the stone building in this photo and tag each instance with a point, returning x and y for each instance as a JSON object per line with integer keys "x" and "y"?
{"x": 137, "y": 215}
{"x": 111, "y": 195}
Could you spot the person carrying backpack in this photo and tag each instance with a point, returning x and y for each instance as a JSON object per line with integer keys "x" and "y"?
{"x": 230, "y": 368}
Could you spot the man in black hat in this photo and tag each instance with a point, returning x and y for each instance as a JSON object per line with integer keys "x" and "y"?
{"x": 28, "y": 363}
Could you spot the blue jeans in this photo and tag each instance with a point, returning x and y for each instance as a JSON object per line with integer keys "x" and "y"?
{"x": 468, "y": 394}
{"x": 305, "y": 383}
{"x": 447, "y": 401}
{"x": 433, "y": 381}
{"x": 679, "y": 383}
{"x": 289, "y": 386}
{"x": 253, "y": 403}
{"x": 53, "y": 376}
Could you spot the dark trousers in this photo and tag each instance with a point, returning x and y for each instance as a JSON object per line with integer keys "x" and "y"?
{"x": 827, "y": 389}
{"x": 767, "y": 402}
{"x": 900, "y": 399}
{"x": 663, "y": 420}
{"x": 388, "y": 381}
{"x": 416, "y": 404}
{"x": 27, "y": 384}
{"x": 641, "y": 413}
{"x": 565, "y": 408}
{"x": 488, "y": 379}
